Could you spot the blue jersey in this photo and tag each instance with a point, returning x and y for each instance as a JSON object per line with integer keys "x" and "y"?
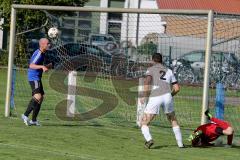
{"x": 37, "y": 58}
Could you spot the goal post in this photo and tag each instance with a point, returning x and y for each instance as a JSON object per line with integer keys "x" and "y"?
{"x": 71, "y": 97}
{"x": 15, "y": 7}
{"x": 10, "y": 61}
{"x": 105, "y": 86}
{"x": 140, "y": 107}
{"x": 207, "y": 66}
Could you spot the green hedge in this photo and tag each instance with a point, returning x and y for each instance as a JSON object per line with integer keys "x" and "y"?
{"x": 3, "y": 57}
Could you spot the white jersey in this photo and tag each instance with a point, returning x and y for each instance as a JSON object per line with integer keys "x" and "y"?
{"x": 162, "y": 79}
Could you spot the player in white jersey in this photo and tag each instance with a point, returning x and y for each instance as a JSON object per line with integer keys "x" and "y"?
{"x": 160, "y": 85}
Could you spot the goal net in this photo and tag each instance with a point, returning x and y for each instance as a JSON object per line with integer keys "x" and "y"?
{"x": 98, "y": 58}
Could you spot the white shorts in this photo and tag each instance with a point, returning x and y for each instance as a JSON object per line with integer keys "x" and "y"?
{"x": 154, "y": 103}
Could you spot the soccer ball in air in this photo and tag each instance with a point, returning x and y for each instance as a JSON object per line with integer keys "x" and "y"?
{"x": 53, "y": 32}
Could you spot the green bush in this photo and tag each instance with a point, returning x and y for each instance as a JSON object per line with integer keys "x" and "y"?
{"x": 147, "y": 48}
{"x": 3, "y": 57}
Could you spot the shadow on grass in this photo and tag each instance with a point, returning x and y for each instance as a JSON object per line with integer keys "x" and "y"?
{"x": 169, "y": 146}
{"x": 72, "y": 125}
{"x": 237, "y": 147}
{"x": 159, "y": 147}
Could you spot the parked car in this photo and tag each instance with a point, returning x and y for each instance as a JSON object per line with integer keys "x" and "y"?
{"x": 67, "y": 51}
{"x": 104, "y": 41}
{"x": 197, "y": 58}
{"x": 193, "y": 63}
{"x": 88, "y": 56}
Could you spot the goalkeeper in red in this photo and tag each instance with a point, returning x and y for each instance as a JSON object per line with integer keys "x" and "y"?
{"x": 209, "y": 132}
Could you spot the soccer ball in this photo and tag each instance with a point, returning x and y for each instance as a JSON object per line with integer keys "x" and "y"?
{"x": 53, "y": 32}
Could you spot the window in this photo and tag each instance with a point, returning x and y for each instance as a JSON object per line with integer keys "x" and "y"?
{"x": 114, "y": 29}
{"x": 84, "y": 24}
{"x": 92, "y": 3}
{"x": 67, "y": 32}
{"x": 68, "y": 23}
{"x": 116, "y": 3}
{"x": 85, "y": 15}
{"x": 115, "y": 16}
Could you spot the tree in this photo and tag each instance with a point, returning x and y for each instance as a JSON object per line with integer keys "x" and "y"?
{"x": 151, "y": 37}
{"x": 147, "y": 48}
{"x": 28, "y": 19}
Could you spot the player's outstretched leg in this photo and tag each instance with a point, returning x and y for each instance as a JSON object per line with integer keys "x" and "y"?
{"x": 145, "y": 130}
{"x": 147, "y": 135}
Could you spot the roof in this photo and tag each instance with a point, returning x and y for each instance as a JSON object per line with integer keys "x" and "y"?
{"x": 223, "y": 6}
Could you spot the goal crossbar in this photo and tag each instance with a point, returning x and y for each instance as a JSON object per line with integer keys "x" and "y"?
{"x": 14, "y": 8}
{"x": 119, "y": 10}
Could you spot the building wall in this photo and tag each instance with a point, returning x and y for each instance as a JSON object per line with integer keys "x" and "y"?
{"x": 103, "y": 18}
{"x": 148, "y": 23}
{"x": 76, "y": 28}
{"x": 122, "y": 26}
{"x": 225, "y": 32}
{"x": 114, "y": 20}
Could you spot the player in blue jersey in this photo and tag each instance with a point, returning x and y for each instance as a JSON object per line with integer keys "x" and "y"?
{"x": 35, "y": 70}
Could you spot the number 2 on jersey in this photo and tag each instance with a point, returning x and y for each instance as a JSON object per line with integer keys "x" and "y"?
{"x": 162, "y": 74}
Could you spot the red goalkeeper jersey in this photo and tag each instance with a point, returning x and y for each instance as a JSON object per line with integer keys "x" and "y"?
{"x": 209, "y": 129}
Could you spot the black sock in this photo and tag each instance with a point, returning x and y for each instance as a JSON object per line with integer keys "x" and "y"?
{"x": 36, "y": 110}
{"x": 30, "y": 107}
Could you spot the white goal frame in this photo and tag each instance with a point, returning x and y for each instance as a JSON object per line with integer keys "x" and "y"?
{"x": 15, "y": 7}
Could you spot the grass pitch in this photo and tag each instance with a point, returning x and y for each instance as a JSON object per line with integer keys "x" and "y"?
{"x": 111, "y": 137}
